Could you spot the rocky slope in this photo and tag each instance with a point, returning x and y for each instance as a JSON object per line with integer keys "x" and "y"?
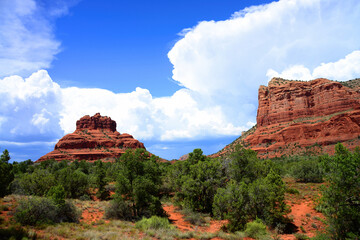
{"x": 94, "y": 138}
{"x": 294, "y": 116}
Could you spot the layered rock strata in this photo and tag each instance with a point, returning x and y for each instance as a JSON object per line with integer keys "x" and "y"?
{"x": 295, "y": 116}
{"x": 94, "y": 138}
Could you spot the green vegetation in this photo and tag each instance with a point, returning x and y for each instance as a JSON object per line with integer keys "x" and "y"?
{"x": 38, "y": 210}
{"x": 239, "y": 188}
{"x": 154, "y": 222}
{"x": 256, "y": 229}
{"x": 341, "y": 198}
{"x": 247, "y": 191}
{"x": 138, "y": 186}
{"x": 301, "y": 236}
{"x": 102, "y": 192}
{"x": 308, "y": 170}
{"x": 197, "y": 181}
{"x": 6, "y": 173}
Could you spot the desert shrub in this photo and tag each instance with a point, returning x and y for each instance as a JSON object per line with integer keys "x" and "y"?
{"x": 6, "y": 173}
{"x": 241, "y": 202}
{"x": 231, "y": 203}
{"x": 194, "y": 218}
{"x": 154, "y": 222}
{"x": 85, "y": 197}
{"x": 36, "y": 183}
{"x": 37, "y": 210}
{"x": 301, "y": 236}
{"x": 16, "y": 233}
{"x": 199, "y": 179}
{"x": 341, "y": 198}
{"x": 138, "y": 183}
{"x": 22, "y": 167}
{"x": 118, "y": 209}
{"x": 308, "y": 171}
{"x": 200, "y": 184}
{"x": 75, "y": 182}
{"x": 255, "y": 229}
{"x": 321, "y": 236}
{"x": 245, "y": 166}
{"x": 292, "y": 191}
{"x": 67, "y": 213}
{"x": 57, "y": 194}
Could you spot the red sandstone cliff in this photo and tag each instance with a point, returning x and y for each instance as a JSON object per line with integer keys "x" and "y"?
{"x": 94, "y": 138}
{"x": 293, "y": 115}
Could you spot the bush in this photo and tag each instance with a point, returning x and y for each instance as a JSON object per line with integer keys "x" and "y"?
{"x": 321, "y": 236}
{"x": 57, "y": 194}
{"x": 255, "y": 229}
{"x": 301, "y": 236}
{"x": 194, "y": 218}
{"x": 118, "y": 209}
{"x": 75, "y": 182}
{"x": 68, "y": 213}
{"x": 154, "y": 222}
{"x": 308, "y": 171}
{"x": 292, "y": 191}
{"x": 17, "y": 233}
{"x": 241, "y": 202}
{"x": 199, "y": 179}
{"x": 36, "y": 183}
{"x": 36, "y": 210}
{"x": 138, "y": 183}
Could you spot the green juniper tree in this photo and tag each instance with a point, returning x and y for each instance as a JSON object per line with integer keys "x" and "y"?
{"x": 341, "y": 198}
{"x": 6, "y": 173}
{"x": 137, "y": 188}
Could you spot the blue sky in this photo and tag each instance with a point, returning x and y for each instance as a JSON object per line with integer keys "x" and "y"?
{"x": 125, "y": 43}
{"x": 177, "y": 75}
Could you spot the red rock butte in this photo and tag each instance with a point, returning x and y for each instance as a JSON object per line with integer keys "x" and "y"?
{"x": 297, "y": 115}
{"x": 94, "y": 138}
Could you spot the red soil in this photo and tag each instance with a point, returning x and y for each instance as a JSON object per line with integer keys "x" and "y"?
{"x": 177, "y": 218}
{"x": 91, "y": 215}
{"x": 184, "y": 226}
{"x": 304, "y": 214}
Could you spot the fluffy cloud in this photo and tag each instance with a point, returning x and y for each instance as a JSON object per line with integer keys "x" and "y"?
{"x": 228, "y": 60}
{"x": 38, "y": 106}
{"x": 27, "y": 42}
{"x": 344, "y": 69}
{"x": 29, "y": 108}
{"x": 179, "y": 116}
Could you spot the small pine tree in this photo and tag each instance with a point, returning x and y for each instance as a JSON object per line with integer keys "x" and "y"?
{"x": 341, "y": 199}
{"x": 6, "y": 173}
{"x": 102, "y": 193}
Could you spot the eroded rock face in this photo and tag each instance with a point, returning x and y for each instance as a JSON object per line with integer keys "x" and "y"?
{"x": 296, "y": 115}
{"x": 94, "y": 138}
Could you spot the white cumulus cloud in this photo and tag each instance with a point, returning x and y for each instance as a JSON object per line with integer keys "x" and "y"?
{"x": 344, "y": 69}
{"x": 38, "y": 105}
{"x": 29, "y": 108}
{"x": 228, "y": 60}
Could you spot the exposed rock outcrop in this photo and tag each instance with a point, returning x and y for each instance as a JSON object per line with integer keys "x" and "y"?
{"x": 94, "y": 138}
{"x": 293, "y": 115}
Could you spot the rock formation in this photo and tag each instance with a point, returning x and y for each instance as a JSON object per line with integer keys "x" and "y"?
{"x": 296, "y": 115}
{"x": 94, "y": 138}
